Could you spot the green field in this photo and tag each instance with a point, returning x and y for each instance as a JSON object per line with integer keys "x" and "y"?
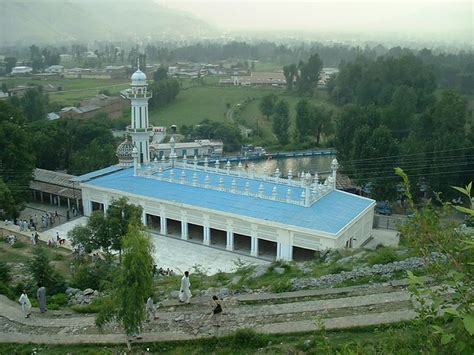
{"x": 73, "y": 90}
{"x": 205, "y": 102}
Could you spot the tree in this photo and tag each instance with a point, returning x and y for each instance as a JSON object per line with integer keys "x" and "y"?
{"x": 446, "y": 309}
{"x": 16, "y": 159}
{"x": 267, "y": 104}
{"x": 36, "y": 58}
{"x": 44, "y": 274}
{"x": 290, "y": 72}
{"x": 303, "y": 119}
{"x": 161, "y": 73}
{"x": 281, "y": 121}
{"x": 10, "y": 62}
{"x": 320, "y": 121}
{"x": 134, "y": 283}
{"x": 309, "y": 75}
{"x": 106, "y": 231}
{"x": 34, "y": 103}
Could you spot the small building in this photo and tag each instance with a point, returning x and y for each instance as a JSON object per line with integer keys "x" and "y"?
{"x": 58, "y": 69}
{"x": 21, "y": 70}
{"x": 56, "y": 188}
{"x": 112, "y": 106}
{"x": 198, "y": 148}
{"x": 257, "y": 79}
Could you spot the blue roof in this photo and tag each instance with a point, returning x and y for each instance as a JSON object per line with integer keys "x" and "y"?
{"x": 329, "y": 214}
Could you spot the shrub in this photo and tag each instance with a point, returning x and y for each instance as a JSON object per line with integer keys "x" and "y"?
{"x": 382, "y": 256}
{"x": 53, "y": 306}
{"x": 4, "y": 273}
{"x": 338, "y": 268}
{"x": 94, "y": 307}
{"x": 44, "y": 274}
{"x": 86, "y": 277}
{"x": 281, "y": 286}
{"x": 6, "y": 291}
{"x": 247, "y": 337}
{"x": 18, "y": 245}
{"x": 59, "y": 299}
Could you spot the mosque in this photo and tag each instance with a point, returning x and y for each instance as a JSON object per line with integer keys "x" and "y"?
{"x": 224, "y": 206}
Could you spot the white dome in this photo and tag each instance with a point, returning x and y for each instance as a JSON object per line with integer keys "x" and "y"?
{"x": 139, "y": 78}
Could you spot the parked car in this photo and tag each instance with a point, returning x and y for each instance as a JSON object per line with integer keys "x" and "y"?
{"x": 383, "y": 208}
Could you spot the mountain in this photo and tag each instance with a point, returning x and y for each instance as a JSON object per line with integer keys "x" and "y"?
{"x": 53, "y": 21}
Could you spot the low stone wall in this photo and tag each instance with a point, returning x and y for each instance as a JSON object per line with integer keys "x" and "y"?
{"x": 386, "y": 270}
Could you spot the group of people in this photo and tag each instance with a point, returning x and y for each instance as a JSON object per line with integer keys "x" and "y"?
{"x": 35, "y": 238}
{"x": 163, "y": 272}
{"x": 26, "y": 304}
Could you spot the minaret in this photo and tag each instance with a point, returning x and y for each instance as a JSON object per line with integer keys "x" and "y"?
{"x": 140, "y": 130}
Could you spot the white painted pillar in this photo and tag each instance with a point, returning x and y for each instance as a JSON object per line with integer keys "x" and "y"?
{"x": 184, "y": 226}
{"x": 106, "y": 206}
{"x": 87, "y": 206}
{"x": 254, "y": 242}
{"x": 163, "y": 225}
{"x": 59, "y": 201}
{"x": 144, "y": 221}
{"x": 230, "y": 239}
{"x": 284, "y": 251}
{"x": 207, "y": 235}
{"x": 51, "y": 198}
{"x": 68, "y": 203}
{"x": 41, "y": 196}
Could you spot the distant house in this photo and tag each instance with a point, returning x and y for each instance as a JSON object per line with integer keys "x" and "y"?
{"x": 52, "y": 116}
{"x": 112, "y": 106}
{"x": 256, "y": 79}
{"x": 21, "y": 70}
{"x": 58, "y": 69}
{"x": 88, "y": 108}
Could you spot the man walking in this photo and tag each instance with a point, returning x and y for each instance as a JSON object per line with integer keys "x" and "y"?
{"x": 185, "y": 292}
{"x": 150, "y": 309}
{"x": 41, "y": 296}
{"x": 25, "y": 304}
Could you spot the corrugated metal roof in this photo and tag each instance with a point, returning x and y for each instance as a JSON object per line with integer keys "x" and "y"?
{"x": 93, "y": 174}
{"x": 330, "y": 214}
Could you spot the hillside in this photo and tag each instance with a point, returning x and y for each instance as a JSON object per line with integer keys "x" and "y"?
{"x": 44, "y": 21}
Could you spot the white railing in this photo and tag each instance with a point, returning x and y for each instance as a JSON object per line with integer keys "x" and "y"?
{"x": 316, "y": 191}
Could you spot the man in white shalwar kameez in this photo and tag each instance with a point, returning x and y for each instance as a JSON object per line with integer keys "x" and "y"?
{"x": 185, "y": 292}
{"x": 25, "y": 304}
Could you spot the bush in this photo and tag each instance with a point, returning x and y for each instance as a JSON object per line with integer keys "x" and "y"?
{"x": 44, "y": 274}
{"x": 6, "y": 291}
{"x": 337, "y": 268}
{"x": 5, "y": 276}
{"x": 382, "y": 256}
{"x": 18, "y": 245}
{"x": 53, "y": 306}
{"x": 60, "y": 299}
{"x": 281, "y": 286}
{"x": 94, "y": 307}
{"x": 247, "y": 337}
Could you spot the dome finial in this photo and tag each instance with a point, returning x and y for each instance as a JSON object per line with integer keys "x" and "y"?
{"x": 138, "y": 63}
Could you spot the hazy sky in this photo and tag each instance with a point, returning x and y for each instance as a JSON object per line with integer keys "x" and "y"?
{"x": 416, "y": 17}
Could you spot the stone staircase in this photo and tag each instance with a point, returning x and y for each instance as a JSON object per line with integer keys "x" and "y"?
{"x": 288, "y": 312}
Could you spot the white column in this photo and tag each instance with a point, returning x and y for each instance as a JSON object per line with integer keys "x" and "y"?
{"x": 68, "y": 203}
{"x": 144, "y": 221}
{"x": 254, "y": 242}
{"x": 184, "y": 226}
{"x": 207, "y": 235}
{"x": 229, "y": 235}
{"x": 41, "y": 196}
{"x": 87, "y": 206}
{"x": 59, "y": 201}
{"x": 106, "y": 206}
{"x": 163, "y": 225}
{"x": 51, "y": 198}
{"x": 284, "y": 251}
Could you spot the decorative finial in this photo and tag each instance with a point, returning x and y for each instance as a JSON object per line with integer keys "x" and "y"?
{"x": 138, "y": 63}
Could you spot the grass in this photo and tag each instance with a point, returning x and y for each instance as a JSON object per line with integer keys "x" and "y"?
{"x": 73, "y": 90}
{"x": 60, "y": 258}
{"x": 404, "y": 338}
